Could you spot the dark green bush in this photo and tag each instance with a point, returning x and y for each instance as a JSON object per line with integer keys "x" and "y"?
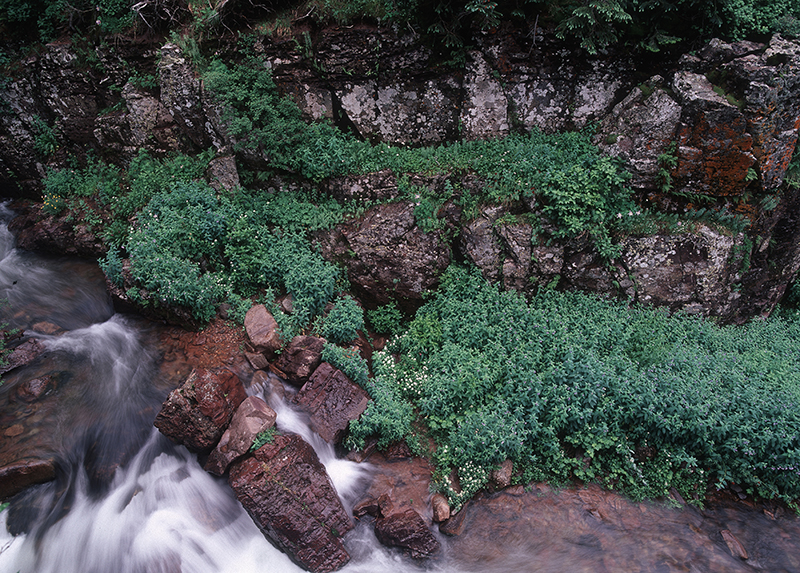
{"x": 386, "y": 319}
{"x": 342, "y": 323}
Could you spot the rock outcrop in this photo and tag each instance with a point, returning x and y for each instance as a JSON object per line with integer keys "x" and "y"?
{"x": 716, "y": 128}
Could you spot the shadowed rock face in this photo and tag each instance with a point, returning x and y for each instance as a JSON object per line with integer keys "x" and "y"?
{"x": 197, "y": 413}
{"x": 287, "y": 492}
{"x": 387, "y": 255}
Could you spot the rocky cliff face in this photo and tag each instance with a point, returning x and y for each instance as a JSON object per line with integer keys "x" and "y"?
{"x": 716, "y": 129}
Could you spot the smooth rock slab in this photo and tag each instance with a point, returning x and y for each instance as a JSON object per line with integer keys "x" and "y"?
{"x": 197, "y": 413}
{"x": 262, "y": 329}
{"x": 285, "y": 489}
{"x": 252, "y": 416}
{"x": 333, "y": 400}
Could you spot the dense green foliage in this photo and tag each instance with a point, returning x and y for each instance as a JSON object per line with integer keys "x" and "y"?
{"x": 580, "y": 189}
{"x": 342, "y": 323}
{"x": 596, "y": 24}
{"x": 569, "y": 386}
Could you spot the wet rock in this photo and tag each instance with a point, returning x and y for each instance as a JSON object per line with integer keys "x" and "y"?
{"x": 272, "y": 387}
{"x": 197, "y": 413}
{"x": 256, "y": 360}
{"x": 734, "y": 545}
{"x": 440, "y": 507}
{"x": 287, "y": 492}
{"x": 37, "y": 231}
{"x": 408, "y": 531}
{"x": 23, "y": 354}
{"x": 262, "y": 329}
{"x": 300, "y": 358}
{"x": 32, "y": 390}
{"x": 332, "y": 400}
{"x": 252, "y": 417}
{"x": 47, "y": 328}
{"x": 23, "y": 473}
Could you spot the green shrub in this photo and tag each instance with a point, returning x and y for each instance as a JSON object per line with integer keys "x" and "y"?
{"x": 349, "y": 361}
{"x": 386, "y": 319}
{"x": 111, "y": 265}
{"x": 178, "y": 244}
{"x": 263, "y": 437}
{"x": 342, "y": 323}
{"x": 388, "y": 416}
{"x": 573, "y": 387}
{"x": 148, "y": 176}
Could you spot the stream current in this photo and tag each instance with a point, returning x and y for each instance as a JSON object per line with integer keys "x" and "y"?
{"x": 127, "y": 500}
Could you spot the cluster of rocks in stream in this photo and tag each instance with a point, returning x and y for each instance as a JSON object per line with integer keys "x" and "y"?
{"x": 282, "y": 484}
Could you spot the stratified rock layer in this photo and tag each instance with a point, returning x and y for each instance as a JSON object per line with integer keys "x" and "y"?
{"x": 287, "y": 492}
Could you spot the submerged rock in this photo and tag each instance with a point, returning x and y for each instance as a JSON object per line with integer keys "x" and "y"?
{"x": 23, "y": 473}
{"x": 285, "y": 489}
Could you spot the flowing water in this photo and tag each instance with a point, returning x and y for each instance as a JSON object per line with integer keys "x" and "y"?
{"x": 127, "y": 500}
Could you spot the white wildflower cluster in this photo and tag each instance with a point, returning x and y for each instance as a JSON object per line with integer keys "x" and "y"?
{"x": 472, "y": 477}
{"x": 413, "y": 383}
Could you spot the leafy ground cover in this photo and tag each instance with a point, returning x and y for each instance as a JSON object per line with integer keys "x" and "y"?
{"x": 569, "y": 386}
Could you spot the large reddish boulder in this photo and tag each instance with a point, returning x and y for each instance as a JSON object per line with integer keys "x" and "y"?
{"x": 285, "y": 489}
{"x": 408, "y": 531}
{"x": 252, "y": 416}
{"x": 300, "y": 358}
{"x": 197, "y": 413}
{"x": 332, "y": 400}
